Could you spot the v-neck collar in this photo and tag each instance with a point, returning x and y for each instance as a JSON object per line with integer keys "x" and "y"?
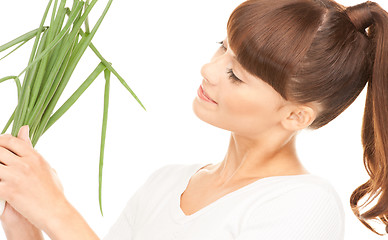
{"x": 181, "y": 217}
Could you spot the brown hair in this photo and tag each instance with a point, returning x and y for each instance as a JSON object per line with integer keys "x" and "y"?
{"x": 319, "y": 51}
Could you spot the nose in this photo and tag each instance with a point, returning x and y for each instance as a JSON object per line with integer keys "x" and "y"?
{"x": 205, "y": 72}
{"x": 213, "y": 70}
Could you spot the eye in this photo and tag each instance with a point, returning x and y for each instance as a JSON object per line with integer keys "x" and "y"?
{"x": 222, "y": 45}
{"x": 233, "y": 77}
{"x": 230, "y": 72}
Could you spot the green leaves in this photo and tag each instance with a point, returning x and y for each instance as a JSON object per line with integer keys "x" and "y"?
{"x": 103, "y": 132}
{"x": 55, "y": 54}
{"x": 24, "y": 38}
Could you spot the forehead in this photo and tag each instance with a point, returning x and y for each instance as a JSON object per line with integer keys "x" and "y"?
{"x": 231, "y": 52}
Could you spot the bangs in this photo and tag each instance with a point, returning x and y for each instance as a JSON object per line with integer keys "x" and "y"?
{"x": 270, "y": 37}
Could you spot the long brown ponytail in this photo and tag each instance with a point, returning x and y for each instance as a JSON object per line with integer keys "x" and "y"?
{"x": 375, "y": 122}
{"x": 319, "y": 51}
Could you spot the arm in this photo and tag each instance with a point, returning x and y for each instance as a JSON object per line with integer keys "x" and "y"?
{"x": 18, "y": 227}
{"x": 67, "y": 223}
{"x": 29, "y": 185}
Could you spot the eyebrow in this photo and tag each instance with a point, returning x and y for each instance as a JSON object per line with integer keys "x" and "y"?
{"x": 227, "y": 42}
{"x": 233, "y": 54}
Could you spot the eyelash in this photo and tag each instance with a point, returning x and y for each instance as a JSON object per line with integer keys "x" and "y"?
{"x": 230, "y": 72}
{"x": 222, "y": 45}
{"x": 233, "y": 77}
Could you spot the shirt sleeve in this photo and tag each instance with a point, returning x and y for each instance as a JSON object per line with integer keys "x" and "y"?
{"x": 123, "y": 228}
{"x": 304, "y": 213}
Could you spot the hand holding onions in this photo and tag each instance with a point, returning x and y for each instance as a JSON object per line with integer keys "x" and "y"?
{"x": 28, "y": 183}
{"x": 31, "y": 188}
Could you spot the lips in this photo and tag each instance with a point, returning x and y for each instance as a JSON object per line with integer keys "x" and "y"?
{"x": 204, "y": 96}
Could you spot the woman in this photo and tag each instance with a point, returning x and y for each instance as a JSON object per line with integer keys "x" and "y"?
{"x": 284, "y": 66}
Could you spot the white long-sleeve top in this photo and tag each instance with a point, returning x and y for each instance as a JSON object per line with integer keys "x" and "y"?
{"x": 294, "y": 207}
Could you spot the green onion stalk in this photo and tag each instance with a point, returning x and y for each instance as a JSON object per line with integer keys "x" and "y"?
{"x": 57, "y": 49}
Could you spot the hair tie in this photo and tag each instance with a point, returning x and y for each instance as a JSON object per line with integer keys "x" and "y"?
{"x": 360, "y": 15}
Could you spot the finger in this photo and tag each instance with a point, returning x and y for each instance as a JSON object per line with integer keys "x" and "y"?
{"x": 7, "y": 157}
{"x": 3, "y": 191}
{"x": 24, "y": 134}
{"x": 6, "y": 174}
{"x": 16, "y": 145}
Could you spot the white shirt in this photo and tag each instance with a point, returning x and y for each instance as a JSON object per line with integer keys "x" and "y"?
{"x": 294, "y": 207}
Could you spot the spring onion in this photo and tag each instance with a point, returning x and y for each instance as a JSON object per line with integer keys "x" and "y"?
{"x": 56, "y": 51}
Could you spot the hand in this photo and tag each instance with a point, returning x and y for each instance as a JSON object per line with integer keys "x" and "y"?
{"x": 27, "y": 183}
{"x": 18, "y": 227}
{"x": 31, "y": 187}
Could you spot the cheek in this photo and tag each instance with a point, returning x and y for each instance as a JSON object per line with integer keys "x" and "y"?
{"x": 249, "y": 109}
{"x": 246, "y": 104}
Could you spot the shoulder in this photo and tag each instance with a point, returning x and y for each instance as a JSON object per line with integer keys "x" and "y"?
{"x": 160, "y": 181}
{"x": 312, "y": 186}
{"x": 172, "y": 170}
{"x": 171, "y": 173}
{"x": 306, "y": 191}
{"x": 318, "y": 195}
{"x": 317, "y": 191}
{"x": 299, "y": 203}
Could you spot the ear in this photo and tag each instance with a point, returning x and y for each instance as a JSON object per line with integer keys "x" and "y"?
{"x": 299, "y": 117}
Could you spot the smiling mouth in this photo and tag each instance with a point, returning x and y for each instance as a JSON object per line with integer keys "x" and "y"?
{"x": 202, "y": 95}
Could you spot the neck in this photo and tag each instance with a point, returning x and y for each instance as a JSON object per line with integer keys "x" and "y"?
{"x": 249, "y": 158}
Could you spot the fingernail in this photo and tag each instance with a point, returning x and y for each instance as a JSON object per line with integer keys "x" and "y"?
{"x": 27, "y": 129}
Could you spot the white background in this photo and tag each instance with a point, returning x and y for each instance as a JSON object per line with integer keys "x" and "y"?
{"x": 159, "y": 48}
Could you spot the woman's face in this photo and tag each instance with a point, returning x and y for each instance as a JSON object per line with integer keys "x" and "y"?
{"x": 231, "y": 98}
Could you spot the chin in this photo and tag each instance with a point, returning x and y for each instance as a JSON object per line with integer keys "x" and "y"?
{"x": 208, "y": 115}
{"x": 198, "y": 110}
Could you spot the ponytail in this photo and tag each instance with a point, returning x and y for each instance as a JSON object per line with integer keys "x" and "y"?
{"x": 375, "y": 122}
